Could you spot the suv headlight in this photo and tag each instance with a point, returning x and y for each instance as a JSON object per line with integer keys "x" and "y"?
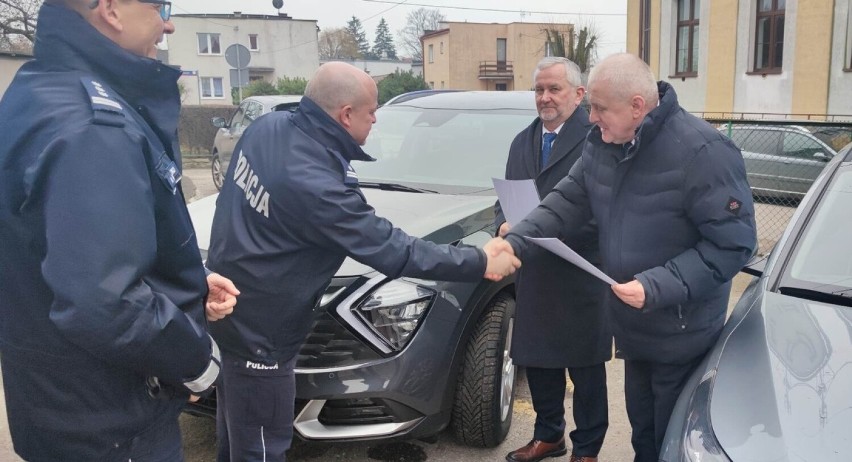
{"x": 395, "y": 309}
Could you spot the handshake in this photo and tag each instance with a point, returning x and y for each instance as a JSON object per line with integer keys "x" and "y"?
{"x": 501, "y": 259}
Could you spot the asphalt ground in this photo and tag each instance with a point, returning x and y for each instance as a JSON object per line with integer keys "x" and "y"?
{"x": 200, "y": 434}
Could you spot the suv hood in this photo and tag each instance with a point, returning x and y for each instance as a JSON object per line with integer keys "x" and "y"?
{"x": 440, "y": 218}
{"x": 795, "y": 357}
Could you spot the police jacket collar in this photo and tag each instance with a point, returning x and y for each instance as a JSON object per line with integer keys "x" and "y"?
{"x": 314, "y": 121}
{"x": 68, "y": 42}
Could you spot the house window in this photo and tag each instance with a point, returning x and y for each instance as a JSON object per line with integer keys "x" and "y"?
{"x": 548, "y": 50}
{"x": 208, "y": 44}
{"x": 211, "y": 87}
{"x": 253, "y": 42}
{"x": 432, "y": 85}
{"x": 645, "y": 30}
{"x": 687, "y": 37}
{"x": 769, "y": 36}
{"x": 442, "y": 84}
{"x": 442, "y": 47}
{"x": 431, "y": 53}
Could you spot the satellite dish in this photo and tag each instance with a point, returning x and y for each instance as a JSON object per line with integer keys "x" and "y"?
{"x": 277, "y": 4}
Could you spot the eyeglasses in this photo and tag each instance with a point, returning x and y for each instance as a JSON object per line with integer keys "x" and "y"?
{"x": 165, "y": 7}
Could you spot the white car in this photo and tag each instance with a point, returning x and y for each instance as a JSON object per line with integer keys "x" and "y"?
{"x": 230, "y": 131}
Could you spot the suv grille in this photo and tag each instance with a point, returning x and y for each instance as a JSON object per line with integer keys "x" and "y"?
{"x": 331, "y": 345}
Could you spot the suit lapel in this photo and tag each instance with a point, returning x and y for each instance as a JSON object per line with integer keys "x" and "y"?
{"x": 572, "y": 133}
{"x": 532, "y": 161}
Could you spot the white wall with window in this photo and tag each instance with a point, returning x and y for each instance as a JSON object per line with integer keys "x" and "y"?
{"x": 761, "y": 85}
{"x": 279, "y": 45}
{"x": 684, "y": 64}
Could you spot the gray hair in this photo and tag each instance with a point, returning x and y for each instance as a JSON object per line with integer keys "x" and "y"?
{"x": 334, "y": 85}
{"x": 627, "y": 76}
{"x": 572, "y": 70}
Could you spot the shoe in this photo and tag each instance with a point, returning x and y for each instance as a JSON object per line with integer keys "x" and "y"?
{"x": 537, "y": 450}
{"x": 576, "y": 458}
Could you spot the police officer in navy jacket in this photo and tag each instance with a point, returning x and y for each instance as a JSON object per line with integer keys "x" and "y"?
{"x": 289, "y": 213}
{"x": 102, "y": 290}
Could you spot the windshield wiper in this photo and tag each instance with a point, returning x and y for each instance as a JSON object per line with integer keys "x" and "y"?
{"x": 394, "y": 187}
{"x": 839, "y": 297}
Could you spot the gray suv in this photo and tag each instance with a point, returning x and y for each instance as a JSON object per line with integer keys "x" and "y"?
{"x": 407, "y": 357}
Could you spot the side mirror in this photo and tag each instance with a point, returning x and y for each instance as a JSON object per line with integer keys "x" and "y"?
{"x": 819, "y": 155}
{"x": 219, "y": 122}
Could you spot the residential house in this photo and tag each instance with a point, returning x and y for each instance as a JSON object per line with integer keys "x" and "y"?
{"x": 9, "y": 64}
{"x": 279, "y": 46}
{"x": 478, "y": 56}
{"x": 768, "y": 57}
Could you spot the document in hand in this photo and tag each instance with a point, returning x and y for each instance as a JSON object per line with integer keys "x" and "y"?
{"x": 559, "y": 248}
{"x": 517, "y": 198}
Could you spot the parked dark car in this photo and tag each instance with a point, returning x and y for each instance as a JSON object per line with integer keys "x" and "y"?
{"x": 406, "y": 357}
{"x": 781, "y": 160}
{"x": 777, "y": 386}
{"x": 230, "y": 131}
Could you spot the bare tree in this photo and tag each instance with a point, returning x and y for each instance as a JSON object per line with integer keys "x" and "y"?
{"x": 18, "y": 24}
{"x": 338, "y": 43}
{"x": 417, "y": 22}
{"x": 579, "y": 43}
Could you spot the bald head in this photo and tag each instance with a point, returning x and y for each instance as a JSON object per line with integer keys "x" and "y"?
{"x": 348, "y": 95}
{"x": 626, "y": 76}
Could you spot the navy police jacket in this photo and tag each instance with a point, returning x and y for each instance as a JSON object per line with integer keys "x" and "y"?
{"x": 674, "y": 211}
{"x": 101, "y": 281}
{"x": 288, "y": 214}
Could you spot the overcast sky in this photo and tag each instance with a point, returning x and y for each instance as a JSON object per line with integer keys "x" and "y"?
{"x": 608, "y": 16}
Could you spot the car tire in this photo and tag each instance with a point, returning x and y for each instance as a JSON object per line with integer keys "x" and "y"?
{"x": 482, "y": 412}
{"x": 216, "y": 171}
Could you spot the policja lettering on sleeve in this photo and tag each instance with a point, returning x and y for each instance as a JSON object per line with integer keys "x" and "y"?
{"x": 256, "y": 195}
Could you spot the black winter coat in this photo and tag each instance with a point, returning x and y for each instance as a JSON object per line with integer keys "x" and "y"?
{"x": 560, "y": 320}
{"x": 674, "y": 211}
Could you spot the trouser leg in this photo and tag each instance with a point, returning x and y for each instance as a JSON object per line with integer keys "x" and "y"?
{"x": 639, "y": 401}
{"x": 258, "y": 413}
{"x": 547, "y": 389}
{"x": 591, "y": 416}
{"x": 667, "y": 382}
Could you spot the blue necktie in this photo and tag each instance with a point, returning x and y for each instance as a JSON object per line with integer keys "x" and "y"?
{"x": 546, "y": 145}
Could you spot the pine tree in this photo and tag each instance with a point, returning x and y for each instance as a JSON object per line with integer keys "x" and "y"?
{"x": 383, "y": 45}
{"x": 356, "y": 29}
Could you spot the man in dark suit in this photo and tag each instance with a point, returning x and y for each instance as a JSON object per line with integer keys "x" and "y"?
{"x": 560, "y": 322}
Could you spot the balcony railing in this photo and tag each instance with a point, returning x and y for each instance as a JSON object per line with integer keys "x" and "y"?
{"x": 496, "y": 70}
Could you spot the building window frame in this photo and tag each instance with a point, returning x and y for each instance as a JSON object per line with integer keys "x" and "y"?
{"x": 769, "y": 52}
{"x": 645, "y": 31}
{"x": 254, "y": 44}
{"x": 688, "y": 21}
{"x": 847, "y": 59}
{"x": 442, "y": 47}
{"x": 209, "y": 89}
{"x": 209, "y": 44}
{"x": 431, "y": 53}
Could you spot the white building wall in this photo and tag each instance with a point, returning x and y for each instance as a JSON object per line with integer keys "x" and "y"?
{"x": 771, "y": 93}
{"x": 287, "y": 47}
{"x": 376, "y": 68}
{"x": 691, "y": 91}
{"x": 840, "y": 81}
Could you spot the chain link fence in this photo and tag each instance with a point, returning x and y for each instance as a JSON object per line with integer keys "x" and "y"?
{"x": 782, "y": 160}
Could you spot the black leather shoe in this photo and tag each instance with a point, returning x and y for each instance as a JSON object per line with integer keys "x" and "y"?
{"x": 537, "y": 450}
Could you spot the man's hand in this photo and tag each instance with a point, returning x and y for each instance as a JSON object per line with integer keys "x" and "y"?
{"x": 631, "y": 293}
{"x": 501, "y": 259}
{"x": 221, "y": 298}
{"x": 504, "y": 229}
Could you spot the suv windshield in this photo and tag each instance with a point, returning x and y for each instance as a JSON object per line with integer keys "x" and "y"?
{"x": 441, "y": 147}
{"x": 822, "y": 260}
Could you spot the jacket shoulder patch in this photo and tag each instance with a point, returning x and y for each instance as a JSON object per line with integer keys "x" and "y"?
{"x": 106, "y": 109}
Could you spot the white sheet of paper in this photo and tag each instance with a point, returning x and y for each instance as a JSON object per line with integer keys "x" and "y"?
{"x": 517, "y": 198}
{"x": 559, "y": 248}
